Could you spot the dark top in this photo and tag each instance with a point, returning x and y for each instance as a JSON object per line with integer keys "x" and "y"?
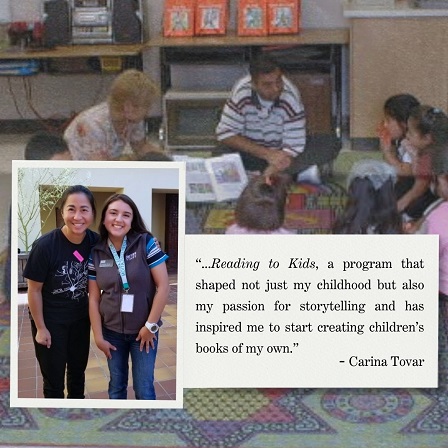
{"x": 141, "y": 254}
{"x": 62, "y": 268}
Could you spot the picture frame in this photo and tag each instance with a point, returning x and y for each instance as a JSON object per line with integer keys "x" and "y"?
{"x": 252, "y": 18}
{"x": 178, "y": 18}
{"x": 284, "y": 16}
{"x": 211, "y": 17}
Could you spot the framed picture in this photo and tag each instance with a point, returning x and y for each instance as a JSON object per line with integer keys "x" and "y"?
{"x": 252, "y": 18}
{"x": 211, "y": 17}
{"x": 178, "y": 19}
{"x": 283, "y": 16}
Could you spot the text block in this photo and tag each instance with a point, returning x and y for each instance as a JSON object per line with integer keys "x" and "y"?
{"x": 311, "y": 311}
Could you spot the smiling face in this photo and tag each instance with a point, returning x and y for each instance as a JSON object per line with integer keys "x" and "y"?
{"x": 268, "y": 85}
{"x": 78, "y": 215}
{"x": 118, "y": 220}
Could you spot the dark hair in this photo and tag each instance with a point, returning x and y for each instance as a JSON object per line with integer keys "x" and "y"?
{"x": 137, "y": 224}
{"x": 432, "y": 121}
{"x": 44, "y": 146}
{"x": 263, "y": 65}
{"x": 261, "y": 206}
{"x": 75, "y": 189}
{"x": 399, "y": 107}
{"x": 369, "y": 208}
{"x": 439, "y": 160}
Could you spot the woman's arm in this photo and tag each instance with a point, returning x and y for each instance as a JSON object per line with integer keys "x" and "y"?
{"x": 390, "y": 152}
{"x": 142, "y": 147}
{"x": 422, "y": 172}
{"x": 414, "y": 226}
{"x": 402, "y": 168}
{"x": 421, "y": 184}
{"x": 35, "y": 305}
{"x": 160, "y": 276}
{"x": 95, "y": 319}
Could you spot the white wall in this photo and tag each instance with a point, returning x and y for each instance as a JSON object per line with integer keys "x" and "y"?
{"x": 63, "y": 95}
{"x": 138, "y": 183}
{"x": 5, "y": 11}
{"x": 157, "y": 223}
{"x": 52, "y": 96}
{"x": 323, "y": 14}
{"x": 25, "y": 10}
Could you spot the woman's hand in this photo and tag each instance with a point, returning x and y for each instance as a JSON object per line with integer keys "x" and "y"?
{"x": 43, "y": 337}
{"x": 146, "y": 339}
{"x": 412, "y": 226}
{"x": 105, "y": 347}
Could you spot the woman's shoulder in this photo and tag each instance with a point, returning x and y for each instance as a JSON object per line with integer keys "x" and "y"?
{"x": 97, "y": 109}
{"x": 49, "y": 237}
{"x": 47, "y": 244}
{"x": 439, "y": 208}
{"x": 435, "y": 220}
{"x": 149, "y": 239}
{"x": 99, "y": 244}
{"x": 94, "y": 237}
{"x": 133, "y": 236}
{"x": 136, "y": 238}
{"x": 89, "y": 117}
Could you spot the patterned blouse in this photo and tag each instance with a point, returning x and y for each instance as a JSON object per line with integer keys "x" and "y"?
{"x": 91, "y": 135}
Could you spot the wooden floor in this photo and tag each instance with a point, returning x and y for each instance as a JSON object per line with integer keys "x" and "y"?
{"x": 97, "y": 373}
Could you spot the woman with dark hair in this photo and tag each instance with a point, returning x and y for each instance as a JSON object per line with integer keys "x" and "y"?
{"x": 371, "y": 206}
{"x": 128, "y": 290}
{"x": 57, "y": 296}
{"x": 427, "y": 127}
{"x": 435, "y": 218}
{"x": 396, "y": 149}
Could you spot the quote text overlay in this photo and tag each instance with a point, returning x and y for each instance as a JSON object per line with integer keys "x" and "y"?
{"x": 311, "y": 311}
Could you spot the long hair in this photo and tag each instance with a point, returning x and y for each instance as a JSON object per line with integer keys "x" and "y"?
{"x": 261, "y": 205}
{"x": 137, "y": 224}
{"x": 431, "y": 121}
{"x": 368, "y": 208}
